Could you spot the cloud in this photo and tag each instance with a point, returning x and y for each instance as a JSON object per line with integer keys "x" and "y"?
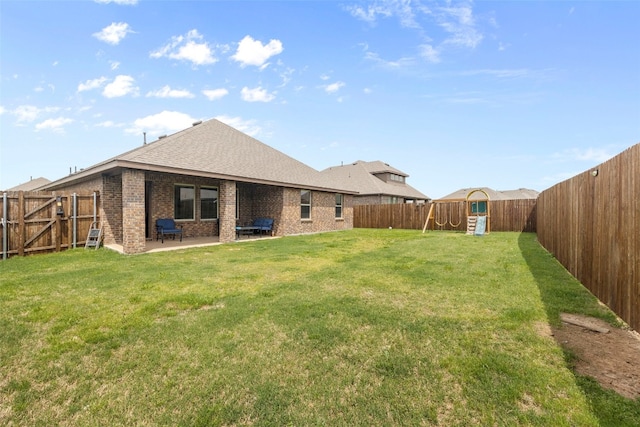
{"x": 162, "y": 123}
{"x": 253, "y": 52}
{"x": 29, "y": 113}
{"x": 187, "y": 48}
{"x": 246, "y": 126}
{"x": 121, "y": 86}
{"x": 114, "y": 33}
{"x": 256, "y": 95}
{"x": 55, "y": 125}
{"x": 591, "y": 155}
{"x": 385, "y": 9}
{"x": 125, "y": 2}
{"x": 92, "y": 84}
{"x": 167, "y": 92}
{"x": 214, "y": 94}
{"x": 334, "y": 87}
{"x": 460, "y": 24}
{"x": 388, "y": 65}
{"x": 114, "y": 65}
{"x": 429, "y": 53}
{"x": 2, "y": 110}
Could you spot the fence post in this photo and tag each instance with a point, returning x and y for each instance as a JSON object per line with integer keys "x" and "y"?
{"x": 21, "y": 224}
{"x": 5, "y": 240}
{"x": 75, "y": 220}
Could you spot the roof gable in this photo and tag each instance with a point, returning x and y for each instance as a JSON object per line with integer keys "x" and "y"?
{"x": 359, "y": 177}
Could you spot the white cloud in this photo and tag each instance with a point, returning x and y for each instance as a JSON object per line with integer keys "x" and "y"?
{"x": 2, "y": 110}
{"x": 108, "y": 124}
{"x": 592, "y": 155}
{"x": 214, "y": 94}
{"x": 114, "y": 65}
{"x": 29, "y": 113}
{"x": 92, "y": 84}
{"x": 114, "y": 33}
{"x": 253, "y": 52}
{"x": 389, "y": 65}
{"x": 55, "y": 125}
{"x": 429, "y": 53}
{"x": 187, "y": 48}
{"x": 460, "y": 23}
{"x": 121, "y": 86}
{"x": 167, "y": 92}
{"x": 125, "y": 2}
{"x": 162, "y": 123}
{"x": 256, "y": 95}
{"x": 246, "y": 126}
{"x": 333, "y": 87}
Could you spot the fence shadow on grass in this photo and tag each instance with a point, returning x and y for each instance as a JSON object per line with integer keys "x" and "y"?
{"x": 560, "y": 292}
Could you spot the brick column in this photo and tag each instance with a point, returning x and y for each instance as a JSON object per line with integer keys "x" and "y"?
{"x": 133, "y": 222}
{"x": 227, "y": 220}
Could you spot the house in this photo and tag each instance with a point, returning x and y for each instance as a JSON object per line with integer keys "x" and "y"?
{"x": 209, "y": 178}
{"x": 521, "y": 193}
{"x": 30, "y": 185}
{"x": 376, "y": 183}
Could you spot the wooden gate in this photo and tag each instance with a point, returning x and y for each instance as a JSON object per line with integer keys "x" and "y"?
{"x": 34, "y": 222}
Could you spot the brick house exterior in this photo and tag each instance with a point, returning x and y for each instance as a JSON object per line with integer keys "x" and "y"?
{"x": 376, "y": 183}
{"x": 247, "y": 178}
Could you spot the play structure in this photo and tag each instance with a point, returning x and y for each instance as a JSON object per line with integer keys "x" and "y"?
{"x": 447, "y": 214}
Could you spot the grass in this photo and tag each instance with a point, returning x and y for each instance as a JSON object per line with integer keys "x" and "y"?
{"x": 365, "y": 327}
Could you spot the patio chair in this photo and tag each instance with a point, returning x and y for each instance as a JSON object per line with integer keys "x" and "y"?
{"x": 167, "y": 226}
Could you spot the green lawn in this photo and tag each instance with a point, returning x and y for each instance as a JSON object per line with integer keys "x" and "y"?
{"x": 363, "y": 327}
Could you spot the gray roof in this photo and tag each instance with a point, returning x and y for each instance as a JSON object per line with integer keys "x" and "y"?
{"x": 31, "y": 185}
{"x": 214, "y": 149}
{"x": 522, "y": 193}
{"x": 359, "y": 177}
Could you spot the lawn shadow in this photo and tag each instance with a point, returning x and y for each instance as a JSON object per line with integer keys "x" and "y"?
{"x": 561, "y": 292}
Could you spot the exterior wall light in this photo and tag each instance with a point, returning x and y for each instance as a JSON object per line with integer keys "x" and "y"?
{"x": 594, "y": 172}
{"x": 59, "y": 209}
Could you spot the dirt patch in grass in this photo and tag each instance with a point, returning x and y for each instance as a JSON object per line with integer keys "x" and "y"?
{"x": 611, "y": 358}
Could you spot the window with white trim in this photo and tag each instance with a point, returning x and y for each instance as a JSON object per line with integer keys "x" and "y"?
{"x": 339, "y": 201}
{"x": 184, "y": 202}
{"x": 305, "y": 204}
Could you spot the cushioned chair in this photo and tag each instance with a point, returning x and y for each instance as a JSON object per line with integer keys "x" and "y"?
{"x": 167, "y": 226}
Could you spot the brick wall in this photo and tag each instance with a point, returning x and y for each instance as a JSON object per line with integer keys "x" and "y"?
{"x": 133, "y": 211}
{"x": 323, "y": 213}
{"x": 162, "y": 203}
{"x": 227, "y": 202}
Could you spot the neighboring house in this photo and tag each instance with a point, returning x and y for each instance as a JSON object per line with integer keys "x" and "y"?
{"x": 209, "y": 178}
{"x": 31, "y": 185}
{"x": 376, "y": 182}
{"x": 521, "y": 193}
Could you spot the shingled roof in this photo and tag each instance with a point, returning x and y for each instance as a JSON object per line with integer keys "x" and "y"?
{"x": 216, "y": 150}
{"x": 359, "y": 176}
{"x": 521, "y": 193}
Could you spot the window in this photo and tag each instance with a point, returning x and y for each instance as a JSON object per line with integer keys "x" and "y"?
{"x": 396, "y": 177}
{"x": 184, "y": 202}
{"x": 208, "y": 203}
{"x": 479, "y": 207}
{"x": 339, "y": 199}
{"x": 305, "y": 204}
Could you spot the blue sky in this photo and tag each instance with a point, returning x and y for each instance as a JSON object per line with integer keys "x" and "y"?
{"x": 457, "y": 94}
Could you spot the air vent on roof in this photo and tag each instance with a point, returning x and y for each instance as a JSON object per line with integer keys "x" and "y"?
{"x": 197, "y": 123}
{"x": 162, "y": 136}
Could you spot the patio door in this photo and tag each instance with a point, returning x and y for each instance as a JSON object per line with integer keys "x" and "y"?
{"x": 148, "y": 219}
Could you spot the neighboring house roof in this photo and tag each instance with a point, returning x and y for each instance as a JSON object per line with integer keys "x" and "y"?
{"x": 521, "y": 193}
{"x": 359, "y": 176}
{"x": 32, "y": 185}
{"x": 216, "y": 150}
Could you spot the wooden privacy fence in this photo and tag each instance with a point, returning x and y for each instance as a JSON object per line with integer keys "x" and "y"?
{"x": 506, "y": 215}
{"x": 591, "y": 224}
{"x": 36, "y": 222}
